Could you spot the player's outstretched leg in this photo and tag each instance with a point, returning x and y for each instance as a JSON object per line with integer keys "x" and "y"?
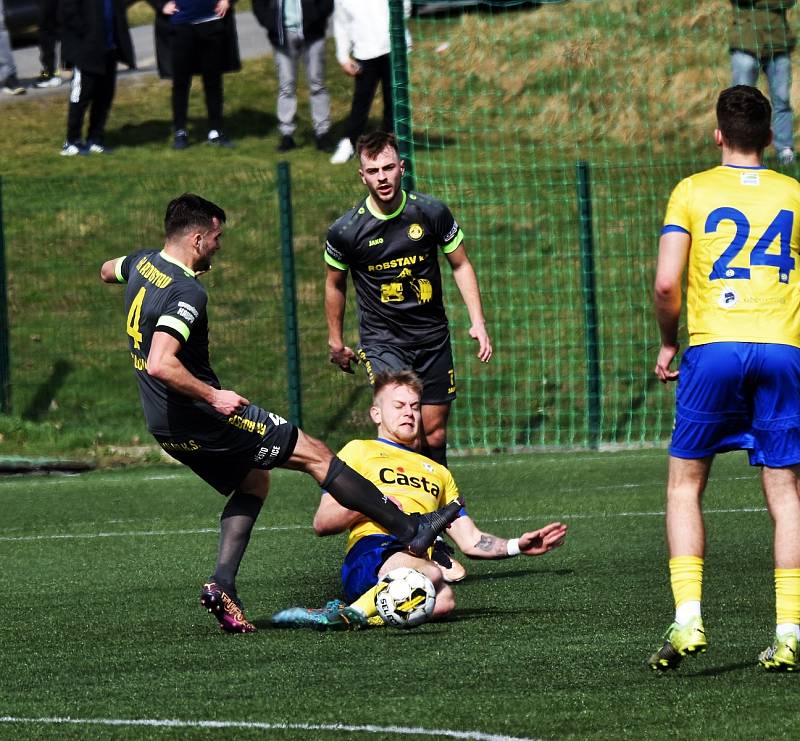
{"x": 679, "y": 641}
{"x": 336, "y": 615}
{"x": 781, "y": 656}
{"x": 352, "y": 490}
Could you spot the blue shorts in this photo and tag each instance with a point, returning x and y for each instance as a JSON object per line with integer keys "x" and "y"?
{"x": 364, "y": 560}
{"x": 739, "y": 396}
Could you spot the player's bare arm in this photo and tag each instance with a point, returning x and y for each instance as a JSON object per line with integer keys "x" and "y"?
{"x": 474, "y": 543}
{"x": 163, "y": 364}
{"x": 467, "y": 282}
{"x": 335, "y": 299}
{"x": 331, "y": 518}
{"x": 108, "y": 271}
{"x": 673, "y": 254}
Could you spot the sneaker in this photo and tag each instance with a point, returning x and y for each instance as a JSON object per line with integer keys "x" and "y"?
{"x": 323, "y": 142}
{"x": 12, "y": 86}
{"x": 786, "y": 156}
{"x": 97, "y": 147}
{"x": 781, "y": 656}
{"x": 218, "y": 139}
{"x": 47, "y": 79}
{"x": 344, "y": 151}
{"x": 452, "y": 570}
{"x": 430, "y": 525}
{"x": 336, "y": 615}
{"x": 679, "y": 641}
{"x": 180, "y": 140}
{"x": 72, "y": 149}
{"x": 286, "y": 143}
{"x": 226, "y": 608}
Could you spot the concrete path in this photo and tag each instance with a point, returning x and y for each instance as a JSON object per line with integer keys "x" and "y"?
{"x": 253, "y": 43}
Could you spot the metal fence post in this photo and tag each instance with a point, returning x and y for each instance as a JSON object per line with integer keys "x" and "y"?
{"x": 589, "y": 291}
{"x": 400, "y": 91}
{"x": 289, "y": 294}
{"x": 5, "y": 340}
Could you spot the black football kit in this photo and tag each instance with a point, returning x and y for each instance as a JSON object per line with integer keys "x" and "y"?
{"x": 393, "y": 261}
{"x": 162, "y": 295}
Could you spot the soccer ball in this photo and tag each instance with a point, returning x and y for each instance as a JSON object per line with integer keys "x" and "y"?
{"x": 407, "y": 599}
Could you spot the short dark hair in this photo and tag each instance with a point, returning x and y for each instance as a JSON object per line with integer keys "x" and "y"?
{"x": 396, "y": 378}
{"x": 188, "y": 211}
{"x": 743, "y": 118}
{"x": 373, "y": 143}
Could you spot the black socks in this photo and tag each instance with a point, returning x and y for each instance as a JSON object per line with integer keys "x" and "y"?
{"x": 353, "y": 491}
{"x": 236, "y": 524}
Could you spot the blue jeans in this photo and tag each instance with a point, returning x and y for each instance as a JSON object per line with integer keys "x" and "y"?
{"x": 745, "y": 67}
{"x": 7, "y": 67}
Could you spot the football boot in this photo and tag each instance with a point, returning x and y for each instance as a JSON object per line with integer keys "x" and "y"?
{"x": 452, "y": 570}
{"x": 336, "y": 615}
{"x": 679, "y": 641}
{"x": 781, "y": 656}
{"x": 226, "y": 607}
{"x": 430, "y": 525}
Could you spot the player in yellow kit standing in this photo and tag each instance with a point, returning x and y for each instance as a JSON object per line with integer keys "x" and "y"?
{"x": 736, "y": 227}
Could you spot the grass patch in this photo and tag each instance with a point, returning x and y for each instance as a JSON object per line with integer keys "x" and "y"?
{"x": 553, "y": 647}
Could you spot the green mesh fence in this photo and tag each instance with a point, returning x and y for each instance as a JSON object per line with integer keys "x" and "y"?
{"x": 504, "y": 100}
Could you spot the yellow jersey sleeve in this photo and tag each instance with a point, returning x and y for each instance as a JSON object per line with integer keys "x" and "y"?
{"x": 677, "y": 218}
{"x": 415, "y": 483}
{"x": 744, "y": 260}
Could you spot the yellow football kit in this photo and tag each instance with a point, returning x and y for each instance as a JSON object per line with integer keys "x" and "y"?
{"x": 415, "y": 482}
{"x": 744, "y": 274}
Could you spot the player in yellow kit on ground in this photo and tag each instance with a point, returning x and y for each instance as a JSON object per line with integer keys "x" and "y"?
{"x": 415, "y": 483}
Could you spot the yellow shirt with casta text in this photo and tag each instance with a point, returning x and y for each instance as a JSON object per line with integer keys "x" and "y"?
{"x": 744, "y": 268}
{"x": 413, "y": 481}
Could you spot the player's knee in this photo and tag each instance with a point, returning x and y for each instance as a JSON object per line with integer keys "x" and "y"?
{"x": 445, "y": 601}
{"x": 311, "y": 455}
{"x": 256, "y": 483}
{"x": 436, "y": 438}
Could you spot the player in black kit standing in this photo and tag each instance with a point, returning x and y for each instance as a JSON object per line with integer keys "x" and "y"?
{"x": 390, "y": 243}
{"x": 227, "y": 441}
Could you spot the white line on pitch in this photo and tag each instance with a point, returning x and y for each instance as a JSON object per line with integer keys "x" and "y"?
{"x": 278, "y": 528}
{"x": 254, "y": 725}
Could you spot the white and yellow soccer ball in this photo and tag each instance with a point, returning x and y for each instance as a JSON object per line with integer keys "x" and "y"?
{"x": 407, "y": 599}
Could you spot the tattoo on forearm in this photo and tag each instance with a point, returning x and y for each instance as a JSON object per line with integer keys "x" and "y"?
{"x": 491, "y": 545}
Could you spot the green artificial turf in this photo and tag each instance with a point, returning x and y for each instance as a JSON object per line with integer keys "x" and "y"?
{"x": 102, "y": 573}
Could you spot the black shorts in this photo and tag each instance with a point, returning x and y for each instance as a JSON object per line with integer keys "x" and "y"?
{"x": 224, "y": 454}
{"x": 432, "y": 363}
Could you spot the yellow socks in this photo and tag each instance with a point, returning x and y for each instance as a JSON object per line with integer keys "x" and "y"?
{"x": 686, "y": 577}
{"x": 366, "y": 602}
{"x": 787, "y": 596}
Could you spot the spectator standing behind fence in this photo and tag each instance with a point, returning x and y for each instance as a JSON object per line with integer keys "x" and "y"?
{"x": 8, "y": 70}
{"x": 196, "y": 37}
{"x": 761, "y": 38}
{"x": 296, "y": 29}
{"x": 361, "y": 32}
{"x": 95, "y": 37}
{"x": 48, "y": 37}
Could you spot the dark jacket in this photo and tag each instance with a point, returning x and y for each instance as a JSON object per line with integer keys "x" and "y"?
{"x": 163, "y": 32}
{"x": 761, "y": 27}
{"x": 315, "y": 18}
{"x": 83, "y": 34}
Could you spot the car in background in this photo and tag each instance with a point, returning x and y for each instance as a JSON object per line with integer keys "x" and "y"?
{"x": 22, "y": 17}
